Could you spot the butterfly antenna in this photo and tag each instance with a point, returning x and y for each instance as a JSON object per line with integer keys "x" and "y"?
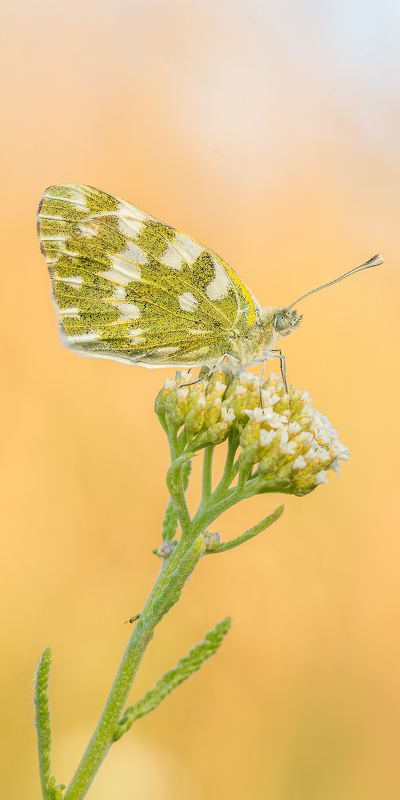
{"x": 372, "y": 262}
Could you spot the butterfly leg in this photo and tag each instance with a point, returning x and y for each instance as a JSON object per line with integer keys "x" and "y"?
{"x": 278, "y": 354}
{"x": 207, "y": 375}
{"x": 260, "y": 385}
{"x": 282, "y": 360}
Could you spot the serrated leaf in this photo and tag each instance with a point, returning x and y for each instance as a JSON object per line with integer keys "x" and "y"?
{"x": 50, "y": 790}
{"x": 254, "y": 531}
{"x": 183, "y": 670}
{"x": 42, "y": 719}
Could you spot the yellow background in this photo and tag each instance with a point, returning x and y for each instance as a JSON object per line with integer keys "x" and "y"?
{"x": 268, "y": 131}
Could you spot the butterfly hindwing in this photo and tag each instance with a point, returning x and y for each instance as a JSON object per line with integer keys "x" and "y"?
{"x": 129, "y": 287}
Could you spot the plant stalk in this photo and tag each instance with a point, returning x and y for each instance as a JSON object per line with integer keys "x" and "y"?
{"x": 165, "y": 593}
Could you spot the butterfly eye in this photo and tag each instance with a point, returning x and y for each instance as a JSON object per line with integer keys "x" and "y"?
{"x": 280, "y": 321}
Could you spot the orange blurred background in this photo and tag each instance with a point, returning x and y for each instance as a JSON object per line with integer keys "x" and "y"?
{"x": 270, "y": 133}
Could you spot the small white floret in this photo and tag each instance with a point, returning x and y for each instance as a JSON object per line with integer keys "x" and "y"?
{"x": 269, "y": 396}
{"x": 245, "y": 378}
{"x": 336, "y": 467}
{"x": 321, "y": 477}
{"x": 299, "y": 463}
{"x": 341, "y": 452}
{"x": 276, "y": 420}
{"x": 289, "y": 448}
{"x": 228, "y": 415}
{"x": 258, "y": 414}
{"x": 183, "y": 376}
{"x": 266, "y": 437}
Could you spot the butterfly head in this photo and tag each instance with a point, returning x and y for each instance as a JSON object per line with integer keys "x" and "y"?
{"x": 285, "y": 321}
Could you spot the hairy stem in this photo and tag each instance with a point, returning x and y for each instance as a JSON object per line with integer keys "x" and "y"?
{"x": 207, "y": 472}
{"x": 229, "y": 469}
{"x": 166, "y": 592}
{"x": 177, "y": 491}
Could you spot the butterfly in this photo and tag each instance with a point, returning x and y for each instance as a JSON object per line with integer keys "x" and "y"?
{"x": 128, "y": 287}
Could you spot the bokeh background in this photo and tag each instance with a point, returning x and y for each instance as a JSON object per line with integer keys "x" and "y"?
{"x": 268, "y": 131}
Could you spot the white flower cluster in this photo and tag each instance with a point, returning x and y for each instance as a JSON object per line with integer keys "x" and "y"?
{"x": 306, "y": 439}
{"x": 292, "y": 444}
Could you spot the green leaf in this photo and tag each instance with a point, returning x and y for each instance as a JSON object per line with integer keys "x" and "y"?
{"x": 184, "y": 668}
{"x": 254, "y": 531}
{"x": 42, "y": 719}
{"x": 170, "y": 523}
{"x": 50, "y": 790}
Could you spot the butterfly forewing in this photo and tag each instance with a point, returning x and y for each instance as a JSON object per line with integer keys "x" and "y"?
{"x": 129, "y": 287}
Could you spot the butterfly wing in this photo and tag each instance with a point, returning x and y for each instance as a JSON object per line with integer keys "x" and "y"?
{"x": 128, "y": 287}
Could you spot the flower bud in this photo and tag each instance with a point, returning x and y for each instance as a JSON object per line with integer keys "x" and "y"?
{"x": 195, "y": 417}
{"x": 160, "y": 403}
{"x": 213, "y": 409}
{"x": 165, "y": 550}
{"x": 176, "y": 406}
{"x": 212, "y": 540}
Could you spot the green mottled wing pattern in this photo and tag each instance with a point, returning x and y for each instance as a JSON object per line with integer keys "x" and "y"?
{"x": 128, "y": 287}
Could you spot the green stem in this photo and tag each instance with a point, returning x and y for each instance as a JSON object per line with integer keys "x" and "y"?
{"x": 209, "y": 511}
{"x": 244, "y": 472}
{"x": 172, "y": 434}
{"x": 177, "y": 492}
{"x": 207, "y": 472}
{"x": 170, "y": 523}
{"x": 230, "y": 469}
{"x": 165, "y": 593}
